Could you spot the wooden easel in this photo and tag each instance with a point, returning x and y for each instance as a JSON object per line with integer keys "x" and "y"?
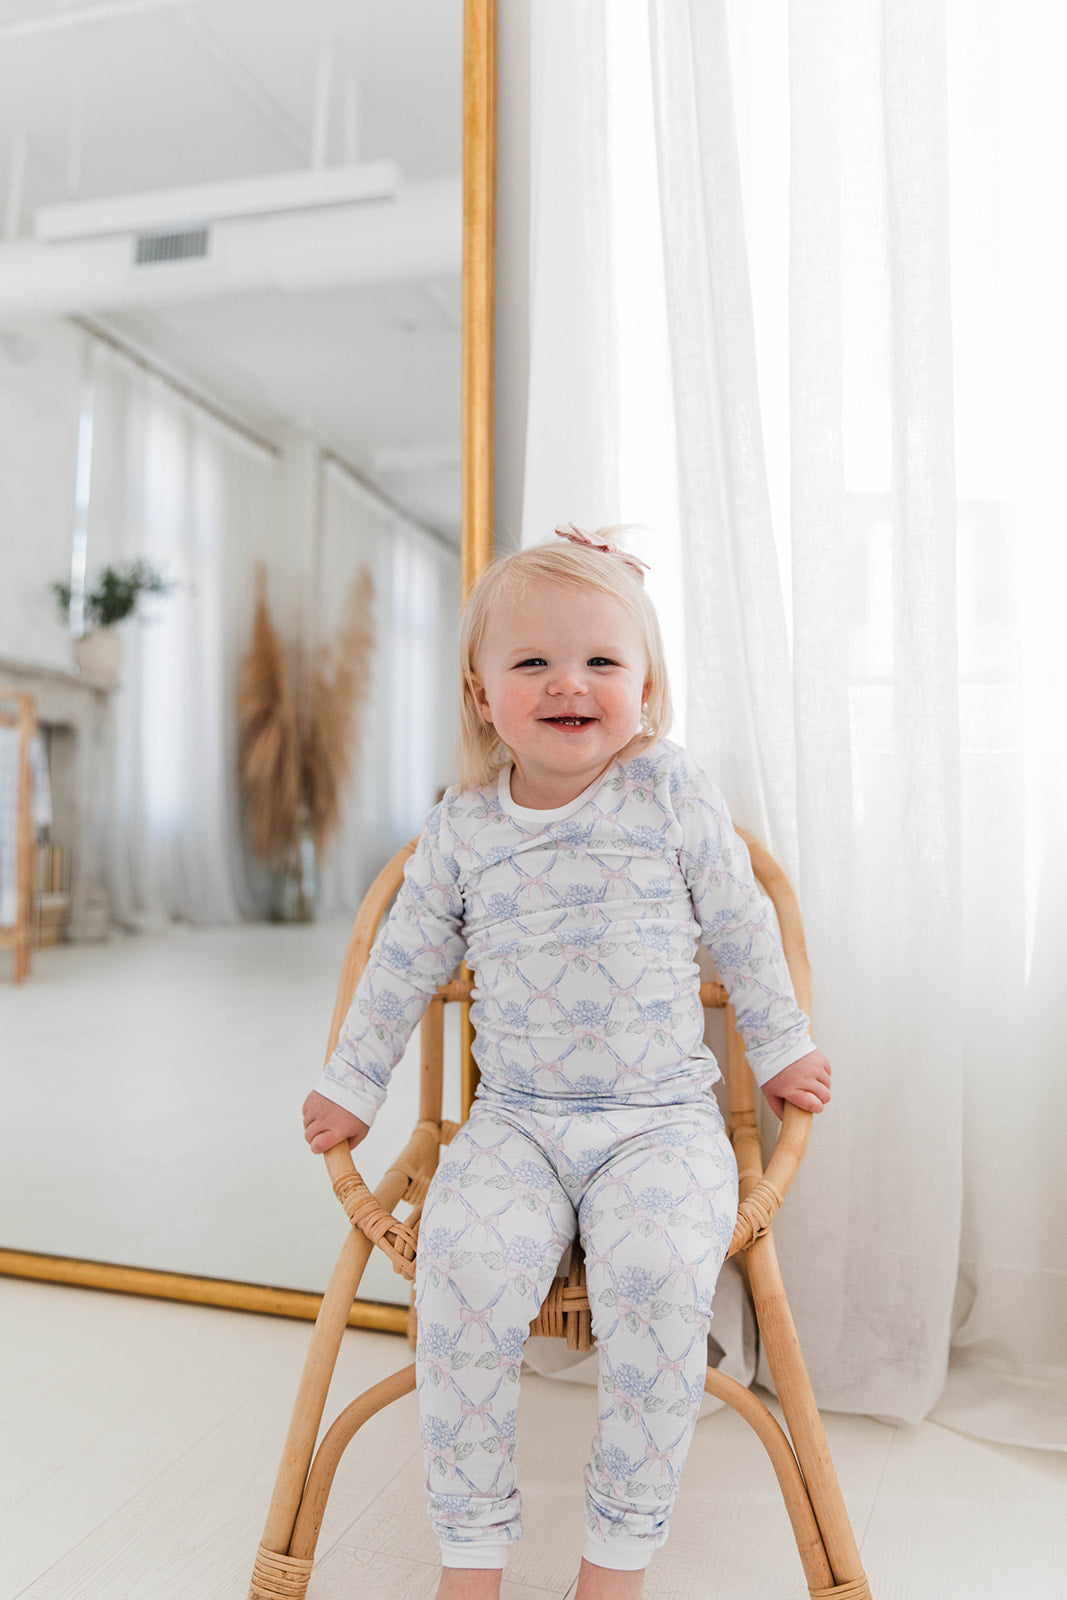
{"x": 19, "y": 710}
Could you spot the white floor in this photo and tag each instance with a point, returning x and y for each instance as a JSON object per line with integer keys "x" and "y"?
{"x": 139, "y": 1441}
{"x": 150, "y": 1094}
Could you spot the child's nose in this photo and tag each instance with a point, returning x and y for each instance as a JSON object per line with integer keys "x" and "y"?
{"x": 567, "y": 680}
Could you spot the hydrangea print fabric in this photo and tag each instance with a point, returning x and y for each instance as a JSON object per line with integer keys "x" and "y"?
{"x": 581, "y": 931}
{"x": 595, "y": 1111}
{"x": 653, "y": 1193}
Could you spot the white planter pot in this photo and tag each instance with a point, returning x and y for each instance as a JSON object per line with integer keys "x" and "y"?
{"x": 99, "y": 655}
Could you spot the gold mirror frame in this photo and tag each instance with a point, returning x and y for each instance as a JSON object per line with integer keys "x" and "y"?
{"x": 479, "y": 245}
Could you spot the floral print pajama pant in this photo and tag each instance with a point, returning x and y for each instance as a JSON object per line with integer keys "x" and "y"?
{"x": 652, "y": 1191}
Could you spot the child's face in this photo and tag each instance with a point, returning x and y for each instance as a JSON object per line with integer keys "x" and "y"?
{"x": 562, "y": 676}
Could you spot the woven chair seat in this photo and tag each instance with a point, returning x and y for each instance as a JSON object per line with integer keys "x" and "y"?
{"x": 566, "y": 1312}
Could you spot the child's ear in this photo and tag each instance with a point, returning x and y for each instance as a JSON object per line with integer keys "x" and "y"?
{"x": 481, "y": 699}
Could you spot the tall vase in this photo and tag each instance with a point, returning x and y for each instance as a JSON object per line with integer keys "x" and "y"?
{"x": 99, "y": 655}
{"x": 294, "y": 886}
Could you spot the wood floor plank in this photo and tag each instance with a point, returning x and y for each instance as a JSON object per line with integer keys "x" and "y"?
{"x": 349, "y": 1572}
{"x": 729, "y": 1530}
{"x": 82, "y": 1416}
{"x": 956, "y": 1517}
{"x": 158, "y": 1441}
{"x": 195, "y": 1529}
{"x": 38, "y": 1347}
{"x": 103, "y": 1472}
{"x": 197, "y": 1419}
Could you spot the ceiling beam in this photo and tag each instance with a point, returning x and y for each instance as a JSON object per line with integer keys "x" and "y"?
{"x": 198, "y": 205}
{"x": 410, "y": 239}
{"x": 291, "y": 131}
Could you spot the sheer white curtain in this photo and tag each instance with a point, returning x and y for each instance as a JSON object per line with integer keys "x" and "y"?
{"x": 410, "y": 720}
{"x": 856, "y": 243}
{"x": 173, "y": 486}
{"x": 850, "y": 776}
{"x": 600, "y": 439}
{"x": 198, "y": 499}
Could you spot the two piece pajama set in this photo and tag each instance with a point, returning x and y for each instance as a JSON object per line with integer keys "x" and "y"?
{"x": 594, "y": 1115}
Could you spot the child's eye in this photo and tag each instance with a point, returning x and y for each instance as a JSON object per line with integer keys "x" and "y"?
{"x": 531, "y": 661}
{"x": 601, "y": 661}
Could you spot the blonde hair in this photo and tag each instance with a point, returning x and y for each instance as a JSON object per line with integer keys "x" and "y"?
{"x": 481, "y": 753}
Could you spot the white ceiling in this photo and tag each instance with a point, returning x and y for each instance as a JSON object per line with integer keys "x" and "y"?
{"x": 176, "y": 94}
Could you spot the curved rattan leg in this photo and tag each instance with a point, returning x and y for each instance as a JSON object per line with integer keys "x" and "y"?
{"x": 328, "y": 1456}
{"x": 276, "y": 1577}
{"x": 779, "y": 1337}
{"x": 274, "y": 1564}
{"x": 274, "y": 1574}
{"x": 859, "y": 1589}
{"x": 801, "y": 1516}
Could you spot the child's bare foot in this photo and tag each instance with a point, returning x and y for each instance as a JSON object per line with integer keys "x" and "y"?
{"x": 605, "y": 1583}
{"x": 469, "y": 1583}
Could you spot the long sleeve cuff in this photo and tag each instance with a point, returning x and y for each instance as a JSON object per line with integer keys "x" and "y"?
{"x": 773, "y": 1059}
{"x": 352, "y": 1099}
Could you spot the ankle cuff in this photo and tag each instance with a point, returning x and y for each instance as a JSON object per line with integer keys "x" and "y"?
{"x": 483, "y": 1553}
{"x": 618, "y": 1555}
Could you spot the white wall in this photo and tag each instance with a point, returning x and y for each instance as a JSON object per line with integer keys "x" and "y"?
{"x": 40, "y": 396}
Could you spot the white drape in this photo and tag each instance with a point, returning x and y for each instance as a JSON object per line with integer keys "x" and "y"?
{"x": 871, "y": 612}
{"x": 173, "y": 486}
{"x": 571, "y": 460}
{"x": 852, "y": 783}
{"x": 410, "y": 720}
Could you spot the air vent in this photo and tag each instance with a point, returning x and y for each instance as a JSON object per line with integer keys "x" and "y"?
{"x": 153, "y": 248}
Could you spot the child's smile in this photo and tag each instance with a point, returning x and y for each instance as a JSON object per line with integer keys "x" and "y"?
{"x": 562, "y": 677}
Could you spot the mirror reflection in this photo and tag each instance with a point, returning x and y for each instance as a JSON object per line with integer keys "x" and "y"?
{"x": 230, "y": 408}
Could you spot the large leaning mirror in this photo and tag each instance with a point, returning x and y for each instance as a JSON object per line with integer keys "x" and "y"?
{"x": 247, "y": 257}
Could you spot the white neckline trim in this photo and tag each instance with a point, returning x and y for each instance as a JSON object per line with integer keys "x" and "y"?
{"x": 530, "y": 814}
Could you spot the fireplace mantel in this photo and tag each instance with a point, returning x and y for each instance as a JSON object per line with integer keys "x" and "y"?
{"x": 75, "y": 708}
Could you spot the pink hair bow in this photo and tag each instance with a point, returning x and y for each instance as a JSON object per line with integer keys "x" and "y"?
{"x": 571, "y": 531}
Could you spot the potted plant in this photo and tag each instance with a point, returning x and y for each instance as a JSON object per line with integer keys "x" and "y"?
{"x": 113, "y": 599}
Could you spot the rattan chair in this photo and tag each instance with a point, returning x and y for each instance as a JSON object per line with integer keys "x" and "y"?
{"x": 800, "y": 1460}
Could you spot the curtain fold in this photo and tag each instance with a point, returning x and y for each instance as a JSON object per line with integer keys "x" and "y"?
{"x": 571, "y": 467}
{"x": 872, "y": 1303}
{"x": 861, "y": 317}
{"x": 410, "y": 720}
{"x": 172, "y": 486}
{"x": 734, "y": 606}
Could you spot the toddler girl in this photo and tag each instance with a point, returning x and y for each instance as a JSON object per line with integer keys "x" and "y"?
{"x": 574, "y": 865}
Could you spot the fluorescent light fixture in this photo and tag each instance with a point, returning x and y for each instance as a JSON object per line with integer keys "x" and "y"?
{"x": 165, "y": 210}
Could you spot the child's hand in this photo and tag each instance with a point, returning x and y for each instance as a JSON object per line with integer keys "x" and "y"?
{"x": 327, "y": 1124}
{"x": 804, "y": 1083}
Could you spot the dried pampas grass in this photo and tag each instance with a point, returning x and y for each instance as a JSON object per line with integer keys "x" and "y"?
{"x": 296, "y": 749}
{"x": 269, "y": 751}
{"x": 331, "y": 722}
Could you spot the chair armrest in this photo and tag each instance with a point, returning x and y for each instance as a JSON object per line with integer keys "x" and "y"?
{"x": 760, "y": 1203}
{"x": 407, "y": 1179}
{"x": 366, "y": 1212}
